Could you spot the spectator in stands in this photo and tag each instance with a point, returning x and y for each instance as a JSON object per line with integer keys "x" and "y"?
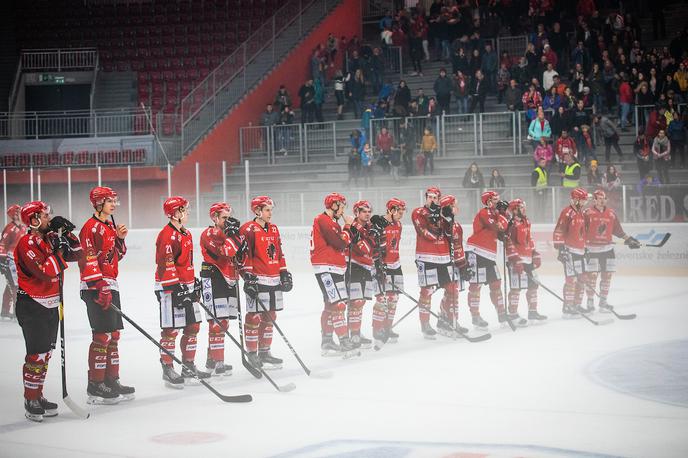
{"x": 503, "y": 78}
{"x": 357, "y": 92}
{"x": 580, "y": 116}
{"x": 647, "y": 180}
{"x": 375, "y": 70}
{"x": 269, "y": 117}
{"x": 417, "y": 30}
{"x": 460, "y": 61}
{"x": 428, "y": 147}
{"x": 626, "y": 98}
{"x": 548, "y": 77}
{"x": 422, "y": 101}
{"x": 544, "y": 151}
{"x": 677, "y": 135}
{"x": 594, "y": 174}
{"x": 552, "y": 101}
{"x": 402, "y": 98}
{"x": 642, "y": 148}
{"x": 656, "y": 121}
{"x": 367, "y": 160}
{"x": 661, "y": 155}
{"x": 596, "y": 85}
{"x": 645, "y": 100}
{"x": 539, "y": 179}
{"x": 282, "y": 99}
{"x": 531, "y": 100}
{"x": 570, "y": 177}
{"x": 489, "y": 66}
{"x": 497, "y": 181}
{"x": 443, "y": 88}
{"x": 473, "y": 177}
{"x": 585, "y": 143}
{"x": 611, "y": 179}
{"x": 354, "y": 166}
{"x": 384, "y": 143}
{"x": 476, "y": 62}
{"x": 340, "y": 82}
{"x": 461, "y": 92}
{"x": 561, "y": 121}
{"x": 610, "y": 134}
{"x": 568, "y": 101}
{"x": 681, "y": 78}
{"x": 478, "y": 92}
{"x": 318, "y": 99}
{"x": 407, "y": 146}
{"x": 520, "y": 73}
{"x": 538, "y": 128}
{"x": 307, "y": 96}
{"x": 285, "y": 130}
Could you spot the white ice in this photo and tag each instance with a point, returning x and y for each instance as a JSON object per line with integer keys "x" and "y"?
{"x": 523, "y": 393}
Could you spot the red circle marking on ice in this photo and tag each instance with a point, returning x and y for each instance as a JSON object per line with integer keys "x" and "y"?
{"x": 187, "y": 438}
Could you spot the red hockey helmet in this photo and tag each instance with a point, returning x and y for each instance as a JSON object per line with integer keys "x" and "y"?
{"x": 217, "y": 207}
{"x": 259, "y": 202}
{"x": 13, "y": 210}
{"x": 516, "y": 203}
{"x": 599, "y": 194}
{"x": 447, "y": 201}
{"x": 172, "y": 204}
{"x": 487, "y": 196}
{"x": 433, "y": 190}
{"x": 395, "y": 202}
{"x": 579, "y": 194}
{"x": 32, "y": 209}
{"x": 361, "y": 204}
{"x": 100, "y": 193}
{"x": 334, "y": 197}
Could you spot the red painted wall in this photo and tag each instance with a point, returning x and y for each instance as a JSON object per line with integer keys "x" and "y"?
{"x": 223, "y": 142}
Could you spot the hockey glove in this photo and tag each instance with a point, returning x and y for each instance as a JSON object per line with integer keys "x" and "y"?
{"x": 632, "y": 243}
{"x": 537, "y": 260}
{"x": 251, "y": 285}
{"x": 355, "y": 234}
{"x": 434, "y": 215}
{"x": 563, "y": 255}
{"x": 466, "y": 273}
{"x": 58, "y": 243}
{"x": 182, "y": 296}
{"x": 375, "y": 232}
{"x": 502, "y": 206}
{"x": 380, "y": 270}
{"x": 379, "y": 221}
{"x": 104, "y": 297}
{"x": 286, "y": 282}
{"x": 242, "y": 249}
{"x": 59, "y": 222}
{"x": 231, "y": 228}
{"x": 448, "y": 214}
{"x": 198, "y": 290}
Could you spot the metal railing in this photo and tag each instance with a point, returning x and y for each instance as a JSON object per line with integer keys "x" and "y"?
{"x": 373, "y": 10}
{"x": 392, "y": 61}
{"x": 241, "y": 70}
{"x": 59, "y": 59}
{"x": 515, "y": 46}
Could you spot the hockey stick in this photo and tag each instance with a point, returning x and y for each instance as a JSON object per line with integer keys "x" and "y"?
{"x": 480, "y": 338}
{"x": 325, "y": 374}
{"x": 244, "y": 361}
{"x": 621, "y": 316}
{"x": 258, "y": 373}
{"x": 506, "y": 286}
{"x": 223, "y": 397}
{"x": 69, "y": 402}
{"x": 595, "y": 322}
{"x": 661, "y": 243}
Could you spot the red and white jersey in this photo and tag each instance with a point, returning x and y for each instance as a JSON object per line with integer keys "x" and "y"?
{"x": 599, "y": 228}
{"x": 570, "y": 230}
{"x": 520, "y": 245}
{"x": 38, "y": 270}
{"x": 431, "y": 243}
{"x": 102, "y": 250}
{"x": 265, "y": 258}
{"x": 390, "y": 245}
{"x": 10, "y": 237}
{"x": 487, "y": 225}
{"x": 219, "y": 250}
{"x": 173, "y": 258}
{"x": 328, "y": 244}
{"x": 457, "y": 243}
{"x": 363, "y": 252}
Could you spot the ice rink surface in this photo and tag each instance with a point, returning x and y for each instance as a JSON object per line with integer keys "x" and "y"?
{"x": 565, "y": 388}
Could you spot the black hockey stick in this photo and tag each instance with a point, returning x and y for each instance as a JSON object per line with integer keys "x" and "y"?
{"x": 257, "y": 373}
{"x": 244, "y": 361}
{"x": 308, "y": 372}
{"x": 480, "y": 338}
{"x": 661, "y": 243}
{"x": 595, "y": 322}
{"x": 69, "y": 402}
{"x": 506, "y": 286}
{"x": 621, "y": 316}
{"x": 223, "y": 397}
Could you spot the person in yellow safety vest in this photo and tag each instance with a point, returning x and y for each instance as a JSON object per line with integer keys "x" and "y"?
{"x": 572, "y": 172}
{"x": 538, "y": 179}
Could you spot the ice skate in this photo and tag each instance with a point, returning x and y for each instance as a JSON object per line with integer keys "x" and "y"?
{"x": 533, "y": 315}
{"x": 329, "y": 348}
{"x": 100, "y": 393}
{"x": 33, "y": 410}
{"x": 517, "y": 320}
{"x": 348, "y": 349}
{"x": 192, "y": 375}
{"x": 269, "y": 361}
{"x": 127, "y": 392}
{"x": 479, "y": 323}
{"x": 171, "y": 378}
{"x": 49, "y": 407}
{"x": 428, "y": 332}
{"x": 218, "y": 368}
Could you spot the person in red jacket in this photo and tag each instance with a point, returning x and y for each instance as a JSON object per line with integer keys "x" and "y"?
{"x": 102, "y": 243}
{"x": 10, "y": 236}
{"x": 389, "y": 277}
{"x": 601, "y": 223}
{"x": 449, "y": 308}
{"x": 265, "y": 279}
{"x": 569, "y": 239}
{"x": 432, "y": 256}
{"x": 178, "y": 293}
{"x": 523, "y": 259}
{"x": 489, "y": 225}
{"x": 222, "y": 248}
{"x": 40, "y": 256}
{"x": 359, "y": 274}
{"x": 329, "y": 243}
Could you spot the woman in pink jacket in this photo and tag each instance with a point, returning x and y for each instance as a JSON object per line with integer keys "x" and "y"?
{"x": 543, "y": 151}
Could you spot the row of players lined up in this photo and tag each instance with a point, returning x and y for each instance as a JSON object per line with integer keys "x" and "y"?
{"x": 353, "y": 263}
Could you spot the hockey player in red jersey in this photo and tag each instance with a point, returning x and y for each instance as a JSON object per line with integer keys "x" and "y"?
{"x": 569, "y": 239}
{"x": 432, "y": 256}
{"x": 40, "y": 256}
{"x": 522, "y": 259}
{"x": 265, "y": 279}
{"x": 359, "y": 275}
{"x": 177, "y": 293}
{"x": 329, "y": 244}
{"x": 489, "y": 225}
{"x": 103, "y": 246}
{"x": 389, "y": 277}
{"x": 601, "y": 223}
{"x": 11, "y": 234}
{"x": 222, "y": 248}
{"x": 449, "y": 307}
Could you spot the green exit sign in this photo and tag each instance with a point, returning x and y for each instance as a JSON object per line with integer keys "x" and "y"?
{"x": 48, "y": 78}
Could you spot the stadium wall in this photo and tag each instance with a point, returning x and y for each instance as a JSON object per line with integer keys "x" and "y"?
{"x": 222, "y": 143}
